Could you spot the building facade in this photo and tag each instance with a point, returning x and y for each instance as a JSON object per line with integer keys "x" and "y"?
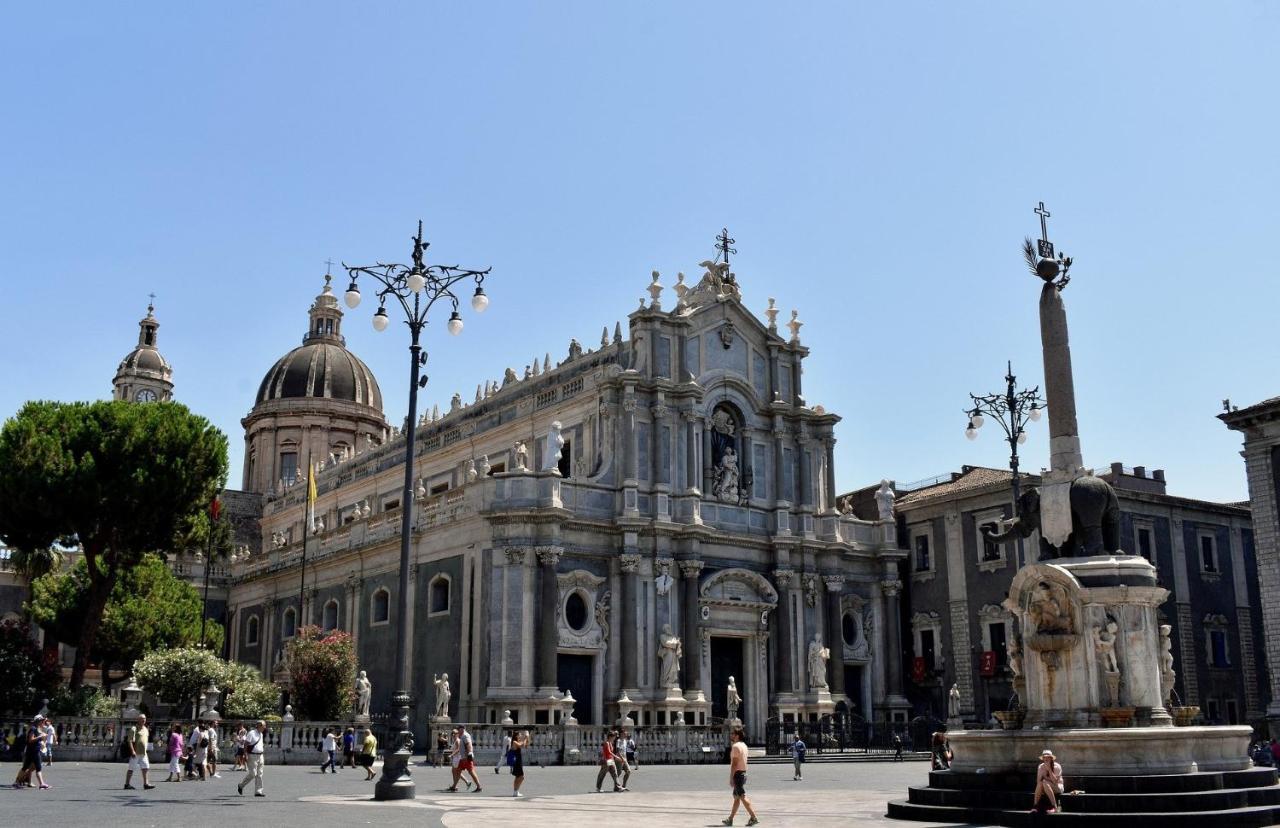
{"x": 955, "y": 630}
{"x": 632, "y": 525}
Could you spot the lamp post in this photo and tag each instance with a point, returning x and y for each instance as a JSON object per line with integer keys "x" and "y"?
{"x": 416, "y": 288}
{"x": 1012, "y": 410}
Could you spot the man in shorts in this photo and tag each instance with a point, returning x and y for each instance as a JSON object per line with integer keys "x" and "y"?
{"x": 738, "y": 777}
{"x": 138, "y": 739}
{"x": 467, "y": 758}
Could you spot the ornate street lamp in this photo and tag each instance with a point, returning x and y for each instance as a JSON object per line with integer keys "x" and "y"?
{"x": 1012, "y": 410}
{"x": 416, "y": 288}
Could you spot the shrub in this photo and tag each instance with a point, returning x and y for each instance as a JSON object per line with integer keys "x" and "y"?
{"x": 249, "y": 695}
{"x": 323, "y": 667}
{"x": 84, "y": 701}
{"x": 178, "y": 676}
{"x": 28, "y": 674}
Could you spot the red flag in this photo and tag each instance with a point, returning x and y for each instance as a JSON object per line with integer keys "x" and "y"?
{"x": 215, "y": 508}
{"x": 917, "y": 669}
{"x": 987, "y": 664}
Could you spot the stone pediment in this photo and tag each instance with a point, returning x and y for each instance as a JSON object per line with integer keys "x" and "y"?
{"x": 740, "y": 588}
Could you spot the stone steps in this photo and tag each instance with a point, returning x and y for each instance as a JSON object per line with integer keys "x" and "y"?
{"x": 1250, "y": 816}
{"x": 1218, "y": 800}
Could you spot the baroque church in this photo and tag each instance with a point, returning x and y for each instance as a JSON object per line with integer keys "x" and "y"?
{"x": 625, "y": 531}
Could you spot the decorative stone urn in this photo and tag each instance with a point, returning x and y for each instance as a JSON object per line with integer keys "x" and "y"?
{"x": 1010, "y": 719}
{"x": 1185, "y": 716}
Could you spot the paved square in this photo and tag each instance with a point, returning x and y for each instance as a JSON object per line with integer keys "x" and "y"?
{"x": 90, "y": 795}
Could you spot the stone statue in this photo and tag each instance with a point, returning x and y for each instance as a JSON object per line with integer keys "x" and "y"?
{"x": 1050, "y": 610}
{"x": 1166, "y": 649}
{"x": 1104, "y": 641}
{"x": 1013, "y": 649}
{"x": 575, "y": 349}
{"x": 443, "y": 695}
{"x": 472, "y": 474}
{"x": 726, "y": 477}
{"x": 522, "y": 457}
{"x": 846, "y": 506}
{"x": 1095, "y": 521}
{"x": 732, "y": 699}
{"x": 884, "y": 500}
{"x": 555, "y": 443}
{"x": 364, "y": 690}
{"x": 509, "y": 376}
{"x": 485, "y": 468}
{"x": 669, "y": 655}
{"x": 455, "y": 402}
{"x": 818, "y": 656}
{"x": 953, "y": 702}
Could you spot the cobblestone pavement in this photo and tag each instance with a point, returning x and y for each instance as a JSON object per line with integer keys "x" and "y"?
{"x": 91, "y": 794}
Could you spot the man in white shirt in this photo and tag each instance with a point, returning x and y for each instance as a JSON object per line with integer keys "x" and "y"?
{"x": 254, "y": 748}
{"x": 329, "y": 745}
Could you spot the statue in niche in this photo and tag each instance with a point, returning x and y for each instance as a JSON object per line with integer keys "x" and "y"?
{"x": 953, "y": 702}
{"x": 1104, "y": 641}
{"x": 443, "y": 694}
{"x": 818, "y": 656}
{"x": 732, "y": 699}
{"x": 725, "y": 486}
{"x": 1050, "y": 610}
{"x": 669, "y": 655}
{"x": 364, "y": 691}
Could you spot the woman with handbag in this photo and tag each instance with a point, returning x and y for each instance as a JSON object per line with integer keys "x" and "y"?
{"x": 518, "y": 744}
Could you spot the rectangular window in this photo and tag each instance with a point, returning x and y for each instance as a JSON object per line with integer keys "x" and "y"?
{"x": 927, "y": 648}
{"x": 288, "y": 465}
{"x": 497, "y": 468}
{"x": 759, "y": 474}
{"x": 1233, "y": 712}
{"x": 1208, "y": 558}
{"x": 922, "y": 553}
{"x": 1211, "y": 711}
{"x": 391, "y": 505}
{"x": 1218, "y": 640}
{"x": 1144, "y": 542}
{"x": 439, "y": 488}
{"x": 565, "y": 466}
{"x": 996, "y": 631}
{"x": 990, "y": 550}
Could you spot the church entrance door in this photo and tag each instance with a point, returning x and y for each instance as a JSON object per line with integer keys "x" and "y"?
{"x": 726, "y": 660}
{"x": 574, "y": 673}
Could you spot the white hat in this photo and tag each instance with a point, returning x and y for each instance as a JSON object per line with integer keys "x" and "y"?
{"x": 1047, "y": 752}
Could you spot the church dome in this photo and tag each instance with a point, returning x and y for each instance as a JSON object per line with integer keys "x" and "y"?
{"x": 322, "y": 367}
{"x": 144, "y": 374}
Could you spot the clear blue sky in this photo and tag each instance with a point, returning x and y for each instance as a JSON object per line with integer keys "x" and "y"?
{"x": 878, "y": 165}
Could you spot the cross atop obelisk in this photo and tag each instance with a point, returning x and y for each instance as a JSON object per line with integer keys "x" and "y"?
{"x": 1046, "y": 246}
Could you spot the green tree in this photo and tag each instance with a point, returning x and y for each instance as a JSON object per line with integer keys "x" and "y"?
{"x": 150, "y": 608}
{"x": 178, "y": 676}
{"x": 249, "y": 695}
{"x": 323, "y": 668}
{"x": 116, "y": 478}
{"x": 33, "y": 563}
{"x": 28, "y": 675}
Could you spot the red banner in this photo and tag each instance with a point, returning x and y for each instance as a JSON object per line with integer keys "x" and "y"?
{"x": 987, "y": 664}
{"x": 215, "y": 508}
{"x": 917, "y": 669}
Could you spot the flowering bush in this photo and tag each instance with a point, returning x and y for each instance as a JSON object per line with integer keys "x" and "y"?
{"x": 249, "y": 695}
{"x": 323, "y": 668}
{"x": 178, "y": 676}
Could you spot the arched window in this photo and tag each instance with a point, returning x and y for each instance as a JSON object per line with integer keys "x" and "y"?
{"x": 290, "y": 625}
{"x": 329, "y": 619}
{"x": 251, "y": 632}
{"x": 380, "y": 607}
{"x": 438, "y": 595}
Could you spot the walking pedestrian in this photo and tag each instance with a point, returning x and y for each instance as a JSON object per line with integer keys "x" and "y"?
{"x": 442, "y": 748}
{"x": 254, "y": 748}
{"x": 798, "y": 748}
{"x": 349, "y": 748}
{"x": 211, "y": 731}
{"x": 738, "y": 777}
{"x": 620, "y": 757}
{"x": 897, "y": 747}
{"x": 239, "y": 756}
{"x": 368, "y": 753}
{"x": 608, "y": 765}
{"x": 176, "y": 745}
{"x": 631, "y": 750}
{"x": 518, "y": 744}
{"x": 504, "y": 755}
{"x": 467, "y": 764}
{"x": 192, "y": 742}
{"x": 50, "y": 739}
{"x": 330, "y": 747}
{"x": 32, "y": 754}
{"x": 200, "y": 751}
{"x": 138, "y": 738}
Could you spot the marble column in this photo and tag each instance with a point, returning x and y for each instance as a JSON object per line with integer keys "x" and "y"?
{"x": 784, "y": 579}
{"x": 266, "y": 636}
{"x": 893, "y": 629}
{"x": 690, "y": 570}
{"x": 806, "y": 473}
{"x": 835, "y": 634}
{"x": 548, "y": 629}
{"x": 691, "y": 453}
{"x": 630, "y": 563}
{"x": 631, "y": 456}
{"x": 353, "y": 610}
{"x": 829, "y": 447}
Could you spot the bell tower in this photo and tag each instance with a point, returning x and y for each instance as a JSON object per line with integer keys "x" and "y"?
{"x": 144, "y": 374}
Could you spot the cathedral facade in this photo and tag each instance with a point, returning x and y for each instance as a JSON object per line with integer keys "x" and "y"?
{"x": 621, "y": 531}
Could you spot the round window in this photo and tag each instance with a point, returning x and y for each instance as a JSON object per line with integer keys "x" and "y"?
{"x": 575, "y": 612}
{"x": 849, "y": 630}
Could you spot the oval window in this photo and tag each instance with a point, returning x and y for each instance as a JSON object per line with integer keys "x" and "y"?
{"x": 849, "y": 629}
{"x": 575, "y": 612}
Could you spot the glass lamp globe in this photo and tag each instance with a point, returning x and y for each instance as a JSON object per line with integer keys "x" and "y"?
{"x": 416, "y": 282}
{"x": 971, "y": 433}
{"x": 976, "y": 421}
{"x": 1022, "y": 437}
{"x": 352, "y": 296}
{"x": 479, "y": 301}
{"x": 1034, "y": 414}
{"x": 380, "y": 320}
{"x": 455, "y": 324}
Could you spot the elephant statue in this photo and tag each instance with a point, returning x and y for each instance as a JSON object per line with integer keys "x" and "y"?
{"x": 1095, "y": 521}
